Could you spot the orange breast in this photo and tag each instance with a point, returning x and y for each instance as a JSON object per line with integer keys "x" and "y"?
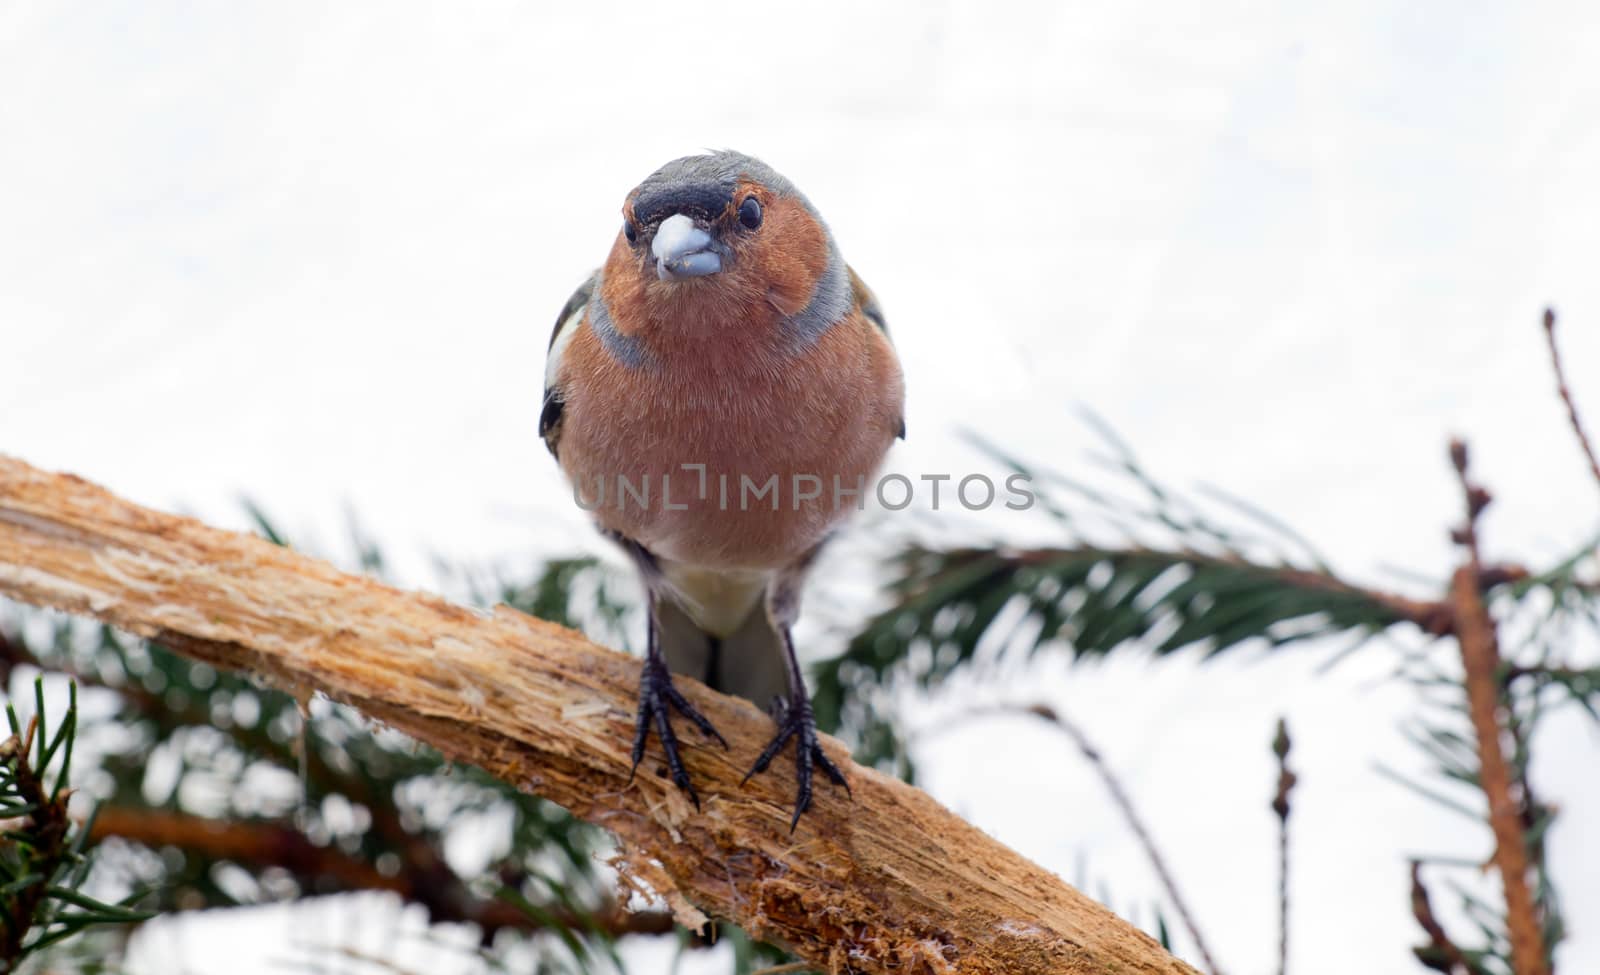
{"x": 768, "y": 425}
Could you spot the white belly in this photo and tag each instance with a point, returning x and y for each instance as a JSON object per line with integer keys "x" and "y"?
{"x": 718, "y": 600}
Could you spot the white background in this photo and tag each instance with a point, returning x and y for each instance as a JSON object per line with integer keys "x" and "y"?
{"x": 312, "y": 254}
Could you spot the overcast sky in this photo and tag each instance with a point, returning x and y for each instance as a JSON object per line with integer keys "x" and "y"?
{"x": 312, "y": 254}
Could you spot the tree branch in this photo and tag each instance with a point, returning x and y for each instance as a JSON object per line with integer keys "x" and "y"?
{"x": 327, "y": 869}
{"x": 888, "y": 882}
{"x": 1440, "y": 953}
{"x": 1480, "y": 660}
{"x": 1124, "y": 803}
{"x": 1565, "y": 393}
{"x": 1281, "y": 808}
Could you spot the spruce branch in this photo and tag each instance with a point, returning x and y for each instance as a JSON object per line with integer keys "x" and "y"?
{"x": 1090, "y": 601}
{"x": 42, "y": 862}
{"x": 328, "y": 869}
{"x": 1478, "y": 639}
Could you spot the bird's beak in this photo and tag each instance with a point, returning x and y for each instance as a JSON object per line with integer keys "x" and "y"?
{"x": 683, "y": 250}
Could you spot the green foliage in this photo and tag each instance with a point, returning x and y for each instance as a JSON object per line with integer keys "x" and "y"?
{"x": 1181, "y": 575}
{"x": 582, "y": 593}
{"x": 1091, "y": 601}
{"x": 43, "y": 860}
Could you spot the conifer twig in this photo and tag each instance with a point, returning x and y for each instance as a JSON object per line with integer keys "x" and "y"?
{"x": 1441, "y": 953}
{"x": 45, "y": 827}
{"x": 328, "y": 868}
{"x": 1280, "y": 806}
{"x": 1565, "y": 392}
{"x": 1125, "y": 806}
{"x": 1480, "y": 659}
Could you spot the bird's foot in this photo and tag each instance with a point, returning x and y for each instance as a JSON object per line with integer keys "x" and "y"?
{"x": 656, "y": 697}
{"x": 796, "y": 721}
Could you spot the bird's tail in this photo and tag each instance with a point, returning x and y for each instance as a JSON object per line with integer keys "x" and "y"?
{"x": 749, "y": 661}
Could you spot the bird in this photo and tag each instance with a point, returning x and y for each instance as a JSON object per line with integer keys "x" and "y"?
{"x": 726, "y": 357}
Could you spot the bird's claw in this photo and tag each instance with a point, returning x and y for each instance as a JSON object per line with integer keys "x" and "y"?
{"x": 795, "y": 720}
{"x": 656, "y": 696}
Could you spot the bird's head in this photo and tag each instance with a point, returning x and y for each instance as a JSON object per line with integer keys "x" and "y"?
{"x": 723, "y": 238}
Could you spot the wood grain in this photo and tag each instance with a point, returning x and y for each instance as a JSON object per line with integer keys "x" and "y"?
{"x": 888, "y": 882}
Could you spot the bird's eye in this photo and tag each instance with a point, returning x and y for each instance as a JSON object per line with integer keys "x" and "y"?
{"x": 630, "y": 231}
{"x": 750, "y": 213}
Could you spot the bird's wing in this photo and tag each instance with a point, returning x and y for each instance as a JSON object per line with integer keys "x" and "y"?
{"x": 567, "y": 325}
{"x": 868, "y": 303}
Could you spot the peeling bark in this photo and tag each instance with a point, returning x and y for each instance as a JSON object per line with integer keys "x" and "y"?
{"x": 890, "y": 882}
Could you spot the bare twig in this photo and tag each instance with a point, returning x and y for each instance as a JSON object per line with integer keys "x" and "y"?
{"x": 1125, "y": 806}
{"x": 1440, "y": 953}
{"x": 889, "y": 882}
{"x": 1480, "y": 659}
{"x": 794, "y": 966}
{"x": 1124, "y": 802}
{"x": 1280, "y": 806}
{"x": 1566, "y": 394}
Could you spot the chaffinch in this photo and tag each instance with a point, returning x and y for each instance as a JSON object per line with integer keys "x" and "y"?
{"x": 720, "y": 394}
